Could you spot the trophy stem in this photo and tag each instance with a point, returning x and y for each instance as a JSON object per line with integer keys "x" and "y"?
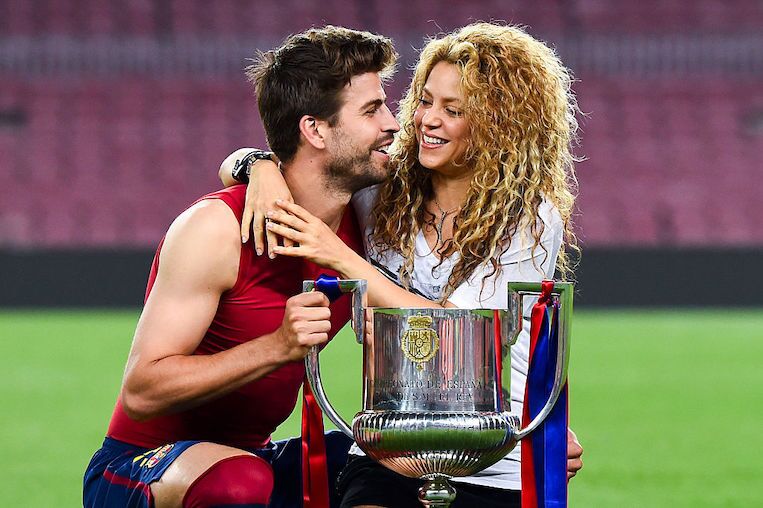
{"x": 437, "y": 492}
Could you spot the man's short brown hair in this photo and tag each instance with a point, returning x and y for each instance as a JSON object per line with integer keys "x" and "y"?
{"x": 306, "y": 75}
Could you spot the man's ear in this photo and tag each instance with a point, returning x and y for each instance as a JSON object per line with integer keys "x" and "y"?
{"x": 314, "y": 131}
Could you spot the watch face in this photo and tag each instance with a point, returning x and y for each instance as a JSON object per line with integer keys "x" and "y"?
{"x": 240, "y": 171}
{"x": 243, "y": 167}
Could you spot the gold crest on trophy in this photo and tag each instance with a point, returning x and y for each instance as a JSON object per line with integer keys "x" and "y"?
{"x": 420, "y": 342}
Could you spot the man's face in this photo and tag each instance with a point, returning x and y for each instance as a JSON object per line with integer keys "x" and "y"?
{"x": 358, "y": 143}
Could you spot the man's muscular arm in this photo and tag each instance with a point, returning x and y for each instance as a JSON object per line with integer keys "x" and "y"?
{"x": 199, "y": 261}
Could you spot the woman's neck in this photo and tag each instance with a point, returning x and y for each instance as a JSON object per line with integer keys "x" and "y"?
{"x": 449, "y": 193}
{"x": 448, "y": 196}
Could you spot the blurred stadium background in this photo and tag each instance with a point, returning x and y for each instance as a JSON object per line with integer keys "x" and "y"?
{"x": 114, "y": 116}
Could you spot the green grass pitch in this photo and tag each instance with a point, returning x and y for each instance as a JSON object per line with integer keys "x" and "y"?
{"x": 668, "y": 404}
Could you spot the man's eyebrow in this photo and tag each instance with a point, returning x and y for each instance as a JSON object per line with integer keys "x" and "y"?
{"x": 373, "y": 102}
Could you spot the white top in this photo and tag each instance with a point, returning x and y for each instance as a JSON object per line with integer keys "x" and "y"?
{"x": 520, "y": 263}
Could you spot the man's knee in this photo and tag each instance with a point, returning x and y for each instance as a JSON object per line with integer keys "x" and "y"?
{"x": 241, "y": 480}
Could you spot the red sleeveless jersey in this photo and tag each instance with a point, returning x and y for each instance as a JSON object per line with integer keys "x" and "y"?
{"x": 253, "y": 307}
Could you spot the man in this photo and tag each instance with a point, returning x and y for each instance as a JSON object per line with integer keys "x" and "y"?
{"x": 216, "y": 362}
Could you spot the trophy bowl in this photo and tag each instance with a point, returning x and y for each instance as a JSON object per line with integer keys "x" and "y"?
{"x": 436, "y": 388}
{"x": 448, "y": 444}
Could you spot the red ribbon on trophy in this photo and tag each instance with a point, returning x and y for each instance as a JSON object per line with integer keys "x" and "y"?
{"x": 544, "y": 451}
{"x": 315, "y": 479}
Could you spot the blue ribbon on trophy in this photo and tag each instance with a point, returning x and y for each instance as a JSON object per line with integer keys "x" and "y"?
{"x": 544, "y": 452}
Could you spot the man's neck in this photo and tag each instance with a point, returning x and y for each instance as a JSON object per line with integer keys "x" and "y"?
{"x": 305, "y": 177}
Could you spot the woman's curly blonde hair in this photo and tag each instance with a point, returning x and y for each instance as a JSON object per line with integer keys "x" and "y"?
{"x": 521, "y": 114}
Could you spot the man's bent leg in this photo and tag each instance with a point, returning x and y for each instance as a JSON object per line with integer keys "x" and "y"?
{"x": 208, "y": 474}
{"x": 243, "y": 481}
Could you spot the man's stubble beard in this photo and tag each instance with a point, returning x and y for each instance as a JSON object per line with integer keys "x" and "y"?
{"x": 349, "y": 173}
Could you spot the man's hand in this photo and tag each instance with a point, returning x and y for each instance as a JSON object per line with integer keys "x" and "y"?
{"x": 574, "y": 454}
{"x": 306, "y": 323}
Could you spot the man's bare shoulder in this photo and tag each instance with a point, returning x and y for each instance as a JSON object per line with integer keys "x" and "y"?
{"x": 203, "y": 242}
{"x": 209, "y": 217}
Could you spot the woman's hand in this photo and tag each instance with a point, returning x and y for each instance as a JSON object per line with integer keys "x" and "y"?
{"x": 266, "y": 185}
{"x": 314, "y": 240}
{"x": 574, "y": 454}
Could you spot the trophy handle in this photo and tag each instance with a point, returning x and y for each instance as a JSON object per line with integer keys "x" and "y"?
{"x": 312, "y": 364}
{"x": 563, "y": 292}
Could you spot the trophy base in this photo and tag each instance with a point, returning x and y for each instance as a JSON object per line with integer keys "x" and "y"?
{"x": 437, "y": 492}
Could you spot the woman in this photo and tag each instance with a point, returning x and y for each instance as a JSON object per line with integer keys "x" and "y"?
{"x": 480, "y": 194}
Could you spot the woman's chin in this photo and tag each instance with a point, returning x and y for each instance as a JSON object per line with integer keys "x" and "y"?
{"x": 431, "y": 163}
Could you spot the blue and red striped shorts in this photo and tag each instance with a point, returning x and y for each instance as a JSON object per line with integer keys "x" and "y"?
{"x": 120, "y": 474}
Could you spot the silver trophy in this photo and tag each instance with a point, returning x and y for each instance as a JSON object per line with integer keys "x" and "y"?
{"x": 436, "y": 386}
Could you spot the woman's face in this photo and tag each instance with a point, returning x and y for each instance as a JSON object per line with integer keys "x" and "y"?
{"x": 441, "y": 129}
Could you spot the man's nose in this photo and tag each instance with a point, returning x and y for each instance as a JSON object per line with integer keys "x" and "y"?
{"x": 390, "y": 123}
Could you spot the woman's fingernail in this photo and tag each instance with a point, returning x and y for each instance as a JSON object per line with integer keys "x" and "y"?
{"x": 279, "y": 201}
{"x": 259, "y": 252}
